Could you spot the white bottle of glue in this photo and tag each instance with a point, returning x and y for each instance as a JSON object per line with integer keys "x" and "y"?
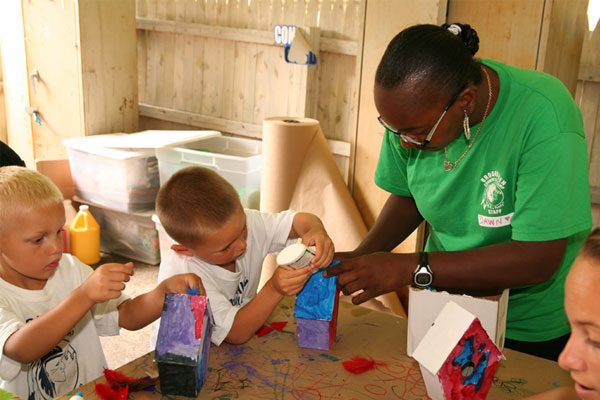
{"x": 295, "y": 256}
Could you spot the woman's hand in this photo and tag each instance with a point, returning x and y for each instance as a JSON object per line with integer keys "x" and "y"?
{"x": 373, "y": 274}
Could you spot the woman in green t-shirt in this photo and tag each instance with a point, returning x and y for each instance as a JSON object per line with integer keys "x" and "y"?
{"x": 494, "y": 158}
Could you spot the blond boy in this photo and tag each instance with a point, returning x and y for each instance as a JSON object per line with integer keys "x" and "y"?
{"x": 225, "y": 245}
{"x": 52, "y": 306}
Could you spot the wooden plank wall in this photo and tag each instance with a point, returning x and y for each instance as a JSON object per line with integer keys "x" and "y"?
{"x": 380, "y": 29}
{"x": 213, "y": 64}
{"x": 537, "y": 34}
{"x": 588, "y": 98}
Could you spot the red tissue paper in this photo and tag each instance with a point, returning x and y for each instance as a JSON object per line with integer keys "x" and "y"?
{"x": 358, "y": 365}
{"x": 263, "y": 331}
{"x": 270, "y": 327}
{"x": 278, "y": 325}
{"x": 105, "y": 392}
{"x": 120, "y": 385}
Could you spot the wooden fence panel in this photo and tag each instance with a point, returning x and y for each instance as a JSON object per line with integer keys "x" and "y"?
{"x": 231, "y": 80}
{"x": 588, "y": 98}
{"x": 220, "y": 75}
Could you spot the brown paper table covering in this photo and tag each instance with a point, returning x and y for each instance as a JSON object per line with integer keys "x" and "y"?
{"x": 274, "y": 367}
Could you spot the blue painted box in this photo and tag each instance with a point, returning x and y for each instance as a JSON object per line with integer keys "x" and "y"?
{"x": 316, "y": 311}
{"x": 183, "y": 344}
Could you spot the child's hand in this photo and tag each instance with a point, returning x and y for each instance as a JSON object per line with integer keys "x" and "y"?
{"x": 107, "y": 282}
{"x": 318, "y": 237}
{"x": 182, "y": 282}
{"x": 288, "y": 282}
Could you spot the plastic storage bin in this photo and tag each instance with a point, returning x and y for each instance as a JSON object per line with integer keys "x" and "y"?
{"x": 237, "y": 160}
{"x": 120, "y": 171}
{"x": 131, "y": 235}
{"x": 120, "y": 179}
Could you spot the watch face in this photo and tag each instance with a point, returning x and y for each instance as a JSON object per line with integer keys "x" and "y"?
{"x": 422, "y": 278}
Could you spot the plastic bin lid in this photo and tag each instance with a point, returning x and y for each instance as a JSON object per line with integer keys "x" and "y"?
{"x": 99, "y": 145}
{"x": 124, "y": 146}
{"x": 155, "y": 139}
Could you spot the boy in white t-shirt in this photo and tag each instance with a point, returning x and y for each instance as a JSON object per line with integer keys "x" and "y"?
{"x": 52, "y": 306}
{"x": 225, "y": 245}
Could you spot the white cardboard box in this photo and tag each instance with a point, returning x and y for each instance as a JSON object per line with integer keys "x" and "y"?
{"x": 425, "y": 305}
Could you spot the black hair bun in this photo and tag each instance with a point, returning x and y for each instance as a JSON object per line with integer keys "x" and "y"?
{"x": 467, "y": 34}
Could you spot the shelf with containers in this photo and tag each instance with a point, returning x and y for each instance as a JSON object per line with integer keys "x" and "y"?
{"x": 119, "y": 175}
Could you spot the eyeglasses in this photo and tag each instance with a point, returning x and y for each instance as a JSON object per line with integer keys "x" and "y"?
{"x": 408, "y": 139}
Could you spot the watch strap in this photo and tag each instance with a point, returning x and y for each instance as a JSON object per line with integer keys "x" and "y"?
{"x": 423, "y": 258}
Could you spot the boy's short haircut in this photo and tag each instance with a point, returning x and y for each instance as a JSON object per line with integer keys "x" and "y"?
{"x": 195, "y": 202}
{"x": 25, "y": 189}
{"x": 591, "y": 246}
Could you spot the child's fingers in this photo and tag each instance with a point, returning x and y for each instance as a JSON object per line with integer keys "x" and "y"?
{"x": 290, "y": 273}
{"x": 318, "y": 249}
{"x": 323, "y": 259}
{"x": 194, "y": 282}
{"x": 119, "y": 268}
{"x": 300, "y": 277}
{"x": 112, "y": 273}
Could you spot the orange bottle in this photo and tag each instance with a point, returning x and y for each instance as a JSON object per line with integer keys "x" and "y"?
{"x": 85, "y": 236}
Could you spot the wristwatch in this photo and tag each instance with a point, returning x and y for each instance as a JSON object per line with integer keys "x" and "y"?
{"x": 423, "y": 275}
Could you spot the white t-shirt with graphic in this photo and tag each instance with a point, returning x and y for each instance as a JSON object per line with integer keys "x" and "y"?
{"x": 73, "y": 362}
{"x": 229, "y": 291}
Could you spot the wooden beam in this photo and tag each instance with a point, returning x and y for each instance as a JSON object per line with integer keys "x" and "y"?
{"x": 347, "y": 47}
{"x": 199, "y": 120}
{"x": 589, "y": 73}
{"x": 337, "y": 147}
{"x": 330, "y": 45}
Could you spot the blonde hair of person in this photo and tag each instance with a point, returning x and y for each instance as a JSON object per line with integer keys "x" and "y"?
{"x": 195, "y": 202}
{"x": 24, "y": 189}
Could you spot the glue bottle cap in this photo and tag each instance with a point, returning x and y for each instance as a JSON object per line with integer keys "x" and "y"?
{"x": 291, "y": 254}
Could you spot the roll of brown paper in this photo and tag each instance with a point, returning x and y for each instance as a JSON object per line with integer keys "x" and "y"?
{"x": 299, "y": 172}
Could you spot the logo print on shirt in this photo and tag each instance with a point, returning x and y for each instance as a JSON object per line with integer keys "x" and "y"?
{"x": 237, "y": 298}
{"x": 493, "y": 201}
{"x": 493, "y": 193}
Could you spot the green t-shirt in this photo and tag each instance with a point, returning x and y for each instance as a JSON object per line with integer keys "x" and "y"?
{"x": 525, "y": 179}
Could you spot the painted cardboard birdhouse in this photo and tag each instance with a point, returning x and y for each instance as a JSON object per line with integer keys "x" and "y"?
{"x": 425, "y": 305}
{"x": 183, "y": 344}
{"x": 457, "y": 358}
{"x": 316, "y": 311}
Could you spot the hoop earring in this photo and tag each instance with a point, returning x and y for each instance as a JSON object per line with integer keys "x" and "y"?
{"x": 466, "y": 126}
